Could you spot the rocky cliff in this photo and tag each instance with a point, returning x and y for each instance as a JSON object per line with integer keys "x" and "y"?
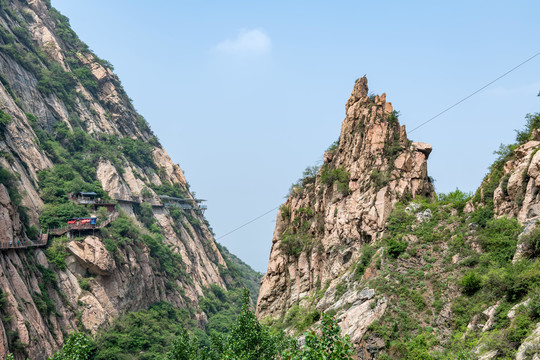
{"x": 67, "y": 126}
{"x": 332, "y": 213}
{"x": 410, "y": 275}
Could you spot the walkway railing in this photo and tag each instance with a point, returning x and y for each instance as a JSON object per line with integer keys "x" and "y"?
{"x": 42, "y": 241}
{"x": 44, "y": 236}
{"x": 137, "y": 200}
{"x": 63, "y": 230}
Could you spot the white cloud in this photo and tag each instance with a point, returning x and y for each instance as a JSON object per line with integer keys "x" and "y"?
{"x": 247, "y": 42}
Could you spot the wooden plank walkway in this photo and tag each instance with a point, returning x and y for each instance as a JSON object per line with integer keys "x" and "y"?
{"x": 44, "y": 237}
{"x": 137, "y": 200}
{"x": 42, "y": 241}
{"x": 62, "y": 231}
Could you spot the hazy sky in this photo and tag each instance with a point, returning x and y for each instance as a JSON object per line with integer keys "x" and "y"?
{"x": 245, "y": 94}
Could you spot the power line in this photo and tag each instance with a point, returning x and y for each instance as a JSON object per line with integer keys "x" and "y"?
{"x": 249, "y": 222}
{"x": 419, "y": 126}
{"x": 474, "y": 93}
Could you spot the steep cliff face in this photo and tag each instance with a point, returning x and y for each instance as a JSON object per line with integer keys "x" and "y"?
{"x": 330, "y": 215}
{"x": 516, "y": 194}
{"x": 67, "y": 126}
{"x": 409, "y": 276}
{"x": 512, "y": 188}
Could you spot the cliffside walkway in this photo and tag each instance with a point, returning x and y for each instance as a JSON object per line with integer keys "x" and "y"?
{"x": 44, "y": 236}
{"x": 165, "y": 201}
{"x": 42, "y": 241}
{"x": 81, "y": 227}
{"x": 137, "y": 200}
{"x": 187, "y": 204}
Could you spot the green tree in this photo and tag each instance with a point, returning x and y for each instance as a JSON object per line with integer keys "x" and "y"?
{"x": 471, "y": 282}
{"x": 248, "y": 339}
{"x": 183, "y": 348}
{"x": 77, "y": 347}
{"x": 326, "y": 344}
{"x": 5, "y": 119}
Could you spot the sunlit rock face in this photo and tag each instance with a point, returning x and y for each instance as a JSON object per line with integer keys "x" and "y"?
{"x": 96, "y": 285}
{"x": 329, "y": 216}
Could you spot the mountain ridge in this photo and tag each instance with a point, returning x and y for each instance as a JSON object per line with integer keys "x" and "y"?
{"x": 67, "y": 127}
{"x": 409, "y": 274}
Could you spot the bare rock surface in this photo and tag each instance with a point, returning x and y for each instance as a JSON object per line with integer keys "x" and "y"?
{"x": 530, "y": 346}
{"x": 92, "y": 255}
{"x": 337, "y": 217}
{"x": 95, "y": 284}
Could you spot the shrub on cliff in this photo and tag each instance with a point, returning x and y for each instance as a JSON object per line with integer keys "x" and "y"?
{"x": 340, "y": 175}
{"x": 5, "y": 119}
{"x": 533, "y": 123}
{"x": 471, "y": 282}
{"x": 396, "y": 247}
{"x": 531, "y": 242}
{"x": 326, "y": 343}
{"x": 77, "y": 347}
{"x": 308, "y": 177}
{"x": 457, "y": 199}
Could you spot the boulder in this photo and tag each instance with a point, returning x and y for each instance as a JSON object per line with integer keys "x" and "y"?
{"x": 92, "y": 255}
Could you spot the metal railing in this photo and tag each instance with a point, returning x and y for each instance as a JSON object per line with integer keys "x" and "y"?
{"x": 42, "y": 241}
{"x": 63, "y": 230}
{"x": 137, "y": 200}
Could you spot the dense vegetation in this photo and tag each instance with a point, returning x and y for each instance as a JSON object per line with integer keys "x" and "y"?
{"x": 161, "y": 332}
{"x": 9, "y": 180}
{"x": 238, "y": 274}
{"x": 505, "y": 153}
{"x": 76, "y": 156}
{"x": 466, "y": 286}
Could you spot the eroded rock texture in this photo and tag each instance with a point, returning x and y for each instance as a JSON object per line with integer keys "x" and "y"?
{"x": 39, "y": 55}
{"x": 329, "y": 216}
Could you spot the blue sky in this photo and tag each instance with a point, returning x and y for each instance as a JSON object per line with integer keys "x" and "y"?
{"x": 244, "y": 95}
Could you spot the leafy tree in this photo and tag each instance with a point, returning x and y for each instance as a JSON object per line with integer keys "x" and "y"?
{"x": 77, "y": 347}
{"x": 5, "y": 119}
{"x": 326, "y": 344}
{"x": 102, "y": 213}
{"x": 339, "y": 175}
{"x": 396, "y": 247}
{"x": 248, "y": 339}
{"x": 471, "y": 282}
{"x": 457, "y": 198}
{"x": 184, "y": 348}
{"x": 143, "y": 334}
{"x": 533, "y": 123}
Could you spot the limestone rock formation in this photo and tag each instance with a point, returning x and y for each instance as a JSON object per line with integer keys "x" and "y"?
{"x": 513, "y": 186}
{"x": 92, "y": 256}
{"x": 517, "y": 193}
{"x": 55, "y": 96}
{"x": 330, "y": 215}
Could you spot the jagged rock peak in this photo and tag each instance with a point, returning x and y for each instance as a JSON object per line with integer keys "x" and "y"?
{"x": 359, "y": 92}
{"x": 328, "y": 217}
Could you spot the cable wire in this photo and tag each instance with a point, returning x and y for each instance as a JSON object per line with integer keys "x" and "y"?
{"x": 474, "y": 93}
{"x": 419, "y": 126}
{"x": 249, "y": 222}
